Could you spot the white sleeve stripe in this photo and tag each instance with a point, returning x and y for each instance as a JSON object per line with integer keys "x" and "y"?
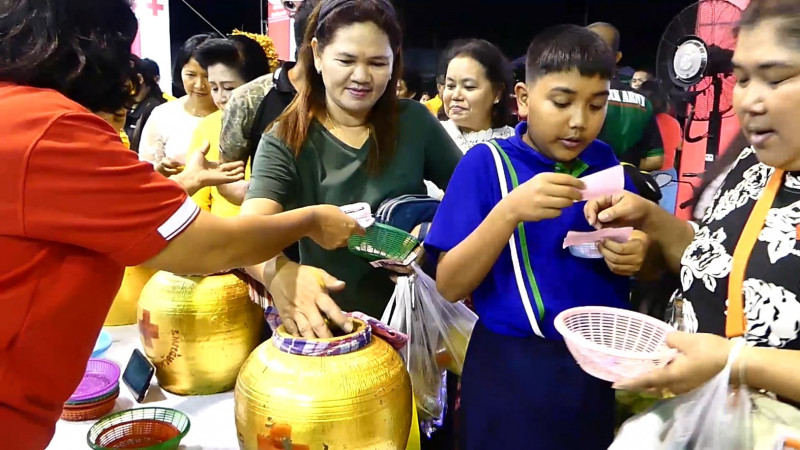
{"x": 180, "y": 220}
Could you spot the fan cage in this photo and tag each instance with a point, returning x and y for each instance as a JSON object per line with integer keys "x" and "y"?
{"x": 714, "y": 21}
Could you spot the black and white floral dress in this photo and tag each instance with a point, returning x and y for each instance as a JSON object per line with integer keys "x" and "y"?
{"x": 772, "y": 278}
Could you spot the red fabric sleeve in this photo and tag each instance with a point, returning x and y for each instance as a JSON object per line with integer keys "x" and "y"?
{"x": 82, "y": 187}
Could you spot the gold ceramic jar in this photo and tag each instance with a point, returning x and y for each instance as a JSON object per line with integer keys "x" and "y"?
{"x": 123, "y": 310}
{"x": 198, "y": 330}
{"x": 359, "y": 400}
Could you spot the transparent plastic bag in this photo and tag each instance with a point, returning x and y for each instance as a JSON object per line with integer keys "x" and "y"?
{"x": 712, "y": 417}
{"x": 455, "y": 322}
{"x": 438, "y": 335}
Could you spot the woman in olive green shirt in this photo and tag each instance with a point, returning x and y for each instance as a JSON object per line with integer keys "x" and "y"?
{"x": 345, "y": 139}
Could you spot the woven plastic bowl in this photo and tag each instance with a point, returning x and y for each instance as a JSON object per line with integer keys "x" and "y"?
{"x": 90, "y": 411}
{"x": 614, "y": 344}
{"x": 383, "y": 242}
{"x": 141, "y": 428}
{"x": 101, "y": 377}
{"x": 99, "y": 399}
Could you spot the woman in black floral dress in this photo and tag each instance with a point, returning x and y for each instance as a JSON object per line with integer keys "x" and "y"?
{"x": 762, "y": 303}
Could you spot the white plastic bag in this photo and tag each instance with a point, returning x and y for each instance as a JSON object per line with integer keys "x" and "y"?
{"x": 712, "y": 417}
{"x": 438, "y": 334}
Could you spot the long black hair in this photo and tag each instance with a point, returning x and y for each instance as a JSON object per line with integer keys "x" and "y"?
{"x": 148, "y": 70}
{"x": 80, "y": 48}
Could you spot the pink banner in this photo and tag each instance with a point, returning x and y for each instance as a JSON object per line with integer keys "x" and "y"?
{"x": 280, "y": 30}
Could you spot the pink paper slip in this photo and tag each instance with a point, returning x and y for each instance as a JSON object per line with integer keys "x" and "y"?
{"x": 606, "y": 182}
{"x": 620, "y": 235}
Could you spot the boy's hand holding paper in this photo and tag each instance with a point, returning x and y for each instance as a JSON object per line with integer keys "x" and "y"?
{"x": 626, "y": 258}
{"x": 542, "y": 197}
{"x": 624, "y": 249}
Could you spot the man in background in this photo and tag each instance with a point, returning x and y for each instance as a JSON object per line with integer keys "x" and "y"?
{"x": 630, "y": 127}
{"x": 255, "y": 105}
{"x": 639, "y": 77}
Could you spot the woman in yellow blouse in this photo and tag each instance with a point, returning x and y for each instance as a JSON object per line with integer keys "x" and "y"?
{"x": 230, "y": 63}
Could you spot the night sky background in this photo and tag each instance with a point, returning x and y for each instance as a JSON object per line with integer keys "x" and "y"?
{"x": 429, "y": 24}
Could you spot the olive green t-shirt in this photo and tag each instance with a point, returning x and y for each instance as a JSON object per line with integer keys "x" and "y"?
{"x": 327, "y": 171}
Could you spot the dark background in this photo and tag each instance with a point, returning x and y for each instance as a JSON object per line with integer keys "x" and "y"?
{"x": 430, "y": 24}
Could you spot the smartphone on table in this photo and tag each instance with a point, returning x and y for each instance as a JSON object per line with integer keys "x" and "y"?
{"x": 138, "y": 374}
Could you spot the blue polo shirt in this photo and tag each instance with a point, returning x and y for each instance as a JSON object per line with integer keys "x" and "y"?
{"x": 564, "y": 281}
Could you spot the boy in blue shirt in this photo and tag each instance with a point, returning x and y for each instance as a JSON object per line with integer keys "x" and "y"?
{"x": 500, "y": 242}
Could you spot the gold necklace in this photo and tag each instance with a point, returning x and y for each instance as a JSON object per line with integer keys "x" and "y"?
{"x": 336, "y": 132}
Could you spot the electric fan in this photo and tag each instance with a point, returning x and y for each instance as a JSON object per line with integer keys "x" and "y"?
{"x": 695, "y": 53}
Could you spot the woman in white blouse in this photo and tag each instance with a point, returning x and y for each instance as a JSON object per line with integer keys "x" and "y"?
{"x": 168, "y": 132}
{"x": 476, "y": 97}
{"x": 477, "y": 93}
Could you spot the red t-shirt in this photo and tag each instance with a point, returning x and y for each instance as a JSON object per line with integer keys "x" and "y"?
{"x": 76, "y": 207}
{"x": 672, "y": 136}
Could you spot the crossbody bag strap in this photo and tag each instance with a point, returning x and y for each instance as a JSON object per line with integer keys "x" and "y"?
{"x": 736, "y": 321}
{"x": 503, "y": 164}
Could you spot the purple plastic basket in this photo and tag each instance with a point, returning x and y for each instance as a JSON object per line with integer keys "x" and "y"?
{"x": 101, "y": 377}
{"x": 113, "y": 392}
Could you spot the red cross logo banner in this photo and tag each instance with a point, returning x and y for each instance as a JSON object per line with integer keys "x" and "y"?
{"x": 155, "y": 6}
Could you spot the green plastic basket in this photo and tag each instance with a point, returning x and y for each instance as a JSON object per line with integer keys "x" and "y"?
{"x": 383, "y": 242}
{"x": 141, "y": 428}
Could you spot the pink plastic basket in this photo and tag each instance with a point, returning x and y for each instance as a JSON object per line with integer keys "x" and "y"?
{"x": 614, "y": 344}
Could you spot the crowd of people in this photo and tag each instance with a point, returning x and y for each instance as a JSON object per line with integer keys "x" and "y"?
{"x": 246, "y": 167}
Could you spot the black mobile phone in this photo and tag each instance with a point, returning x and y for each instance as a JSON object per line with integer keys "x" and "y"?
{"x": 138, "y": 374}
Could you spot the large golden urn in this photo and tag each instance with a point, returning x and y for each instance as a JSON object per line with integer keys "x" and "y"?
{"x": 360, "y": 399}
{"x": 198, "y": 330}
{"x": 123, "y": 310}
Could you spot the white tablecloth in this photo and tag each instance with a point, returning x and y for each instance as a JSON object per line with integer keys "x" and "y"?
{"x": 212, "y": 422}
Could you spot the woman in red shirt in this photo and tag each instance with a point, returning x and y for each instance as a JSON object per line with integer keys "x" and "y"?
{"x": 76, "y": 206}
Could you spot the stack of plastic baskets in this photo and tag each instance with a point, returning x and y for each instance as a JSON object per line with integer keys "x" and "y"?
{"x": 97, "y": 393}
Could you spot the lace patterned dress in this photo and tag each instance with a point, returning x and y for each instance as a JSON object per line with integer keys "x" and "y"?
{"x": 466, "y": 141}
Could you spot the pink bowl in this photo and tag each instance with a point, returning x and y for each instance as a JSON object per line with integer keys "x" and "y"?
{"x": 614, "y": 344}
